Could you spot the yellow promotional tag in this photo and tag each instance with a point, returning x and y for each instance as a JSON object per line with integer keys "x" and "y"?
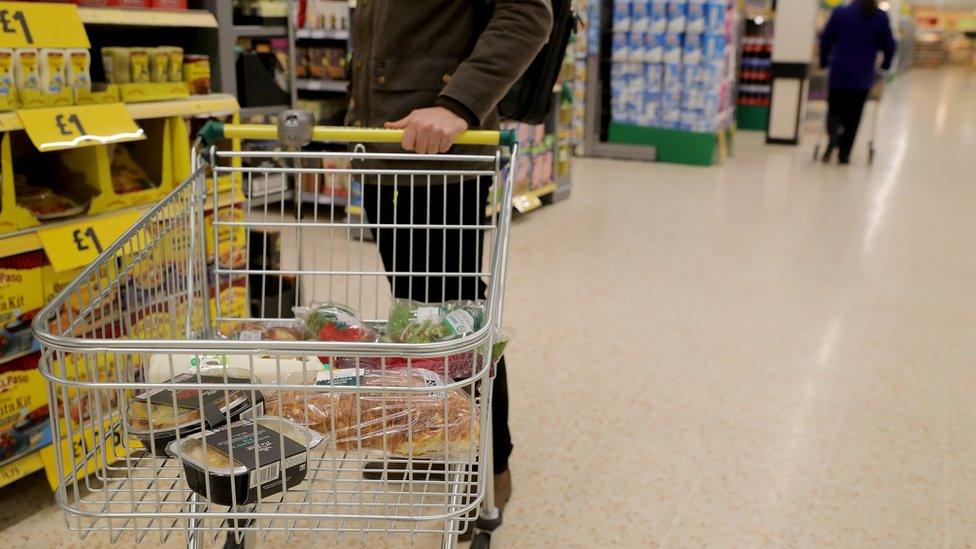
{"x": 77, "y": 244}
{"x": 20, "y": 468}
{"x": 57, "y": 128}
{"x": 41, "y": 25}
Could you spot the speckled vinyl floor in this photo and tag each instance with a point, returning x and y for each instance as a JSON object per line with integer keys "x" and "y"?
{"x": 771, "y": 353}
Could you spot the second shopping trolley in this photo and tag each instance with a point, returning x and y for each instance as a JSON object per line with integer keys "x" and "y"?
{"x": 188, "y": 399}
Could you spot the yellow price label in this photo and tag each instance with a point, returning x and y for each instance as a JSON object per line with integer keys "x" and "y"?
{"x": 57, "y": 128}
{"x": 77, "y": 244}
{"x": 40, "y": 25}
{"x": 20, "y": 468}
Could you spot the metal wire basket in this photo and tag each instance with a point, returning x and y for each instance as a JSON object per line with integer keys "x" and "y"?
{"x": 147, "y": 366}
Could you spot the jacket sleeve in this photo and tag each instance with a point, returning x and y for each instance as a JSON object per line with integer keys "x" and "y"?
{"x": 827, "y": 39}
{"x": 887, "y": 44}
{"x": 512, "y": 38}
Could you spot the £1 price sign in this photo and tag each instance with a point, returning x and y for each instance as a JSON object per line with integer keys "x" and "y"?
{"x": 40, "y": 25}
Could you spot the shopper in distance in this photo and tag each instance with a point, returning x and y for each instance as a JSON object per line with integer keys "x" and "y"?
{"x": 849, "y": 46}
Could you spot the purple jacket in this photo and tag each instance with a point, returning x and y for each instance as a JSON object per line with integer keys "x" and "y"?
{"x": 850, "y": 44}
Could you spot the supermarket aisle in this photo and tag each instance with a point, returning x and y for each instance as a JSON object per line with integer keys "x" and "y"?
{"x": 771, "y": 353}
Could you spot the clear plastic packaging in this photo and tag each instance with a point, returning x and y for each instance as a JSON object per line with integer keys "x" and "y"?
{"x": 334, "y": 322}
{"x": 459, "y": 365}
{"x": 257, "y": 460}
{"x": 270, "y": 331}
{"x": 152, "y": 418}
{"x": 403, "y": 424}
{"x": 413, "y": 322}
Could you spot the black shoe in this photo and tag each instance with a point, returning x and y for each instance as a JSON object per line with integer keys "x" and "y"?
{"x": 843, "y": 161}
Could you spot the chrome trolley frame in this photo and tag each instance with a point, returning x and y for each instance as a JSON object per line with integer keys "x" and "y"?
{"x": 172, "y": 286}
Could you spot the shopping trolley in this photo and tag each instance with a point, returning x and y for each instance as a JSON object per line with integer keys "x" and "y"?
{"x": 874, "y": 95}
{"x": 146, "y": 358}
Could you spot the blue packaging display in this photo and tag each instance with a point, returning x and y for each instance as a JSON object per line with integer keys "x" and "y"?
{"x": 635, "y": 47}
{"x": 692, "y": 49}
{"x": 621, "y": 15}
{"x": 716, "y": 12}
{"x": 670, "y": 63}
{"x": 677, "y": 8}
{"x": 654, "y": 77}
{"x": 640, "y": 16}
{"x": 715, "y": 46}
{"x": 658, "y": 15}
{"x": 696, "y": 16}
{"x": 620, "y": 46}
{"x": 672, "y": 47}
{"x": 654, "y": 47}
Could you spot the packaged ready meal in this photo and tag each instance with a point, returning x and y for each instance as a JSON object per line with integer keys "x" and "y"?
{"x": 239, "y": 462}
{"x": 160, "y": 416}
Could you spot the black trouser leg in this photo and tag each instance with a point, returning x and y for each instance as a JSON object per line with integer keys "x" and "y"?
{"x": 439, "y": 250}
{"x": 835, "y": 119}
{"x": 846, "y": 105}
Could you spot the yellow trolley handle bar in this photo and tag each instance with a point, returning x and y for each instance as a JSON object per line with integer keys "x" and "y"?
{"x": 213, "y": 131}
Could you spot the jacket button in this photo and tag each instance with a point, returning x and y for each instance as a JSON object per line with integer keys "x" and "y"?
{"x": 446, "y": 78}
{"x": 381, "y": 80}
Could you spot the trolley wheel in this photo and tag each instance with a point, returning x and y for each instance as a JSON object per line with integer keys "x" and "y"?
{"x": 481, "y": 541}
{"x": 816, "y": 152}
{"x": 871, "y": 153}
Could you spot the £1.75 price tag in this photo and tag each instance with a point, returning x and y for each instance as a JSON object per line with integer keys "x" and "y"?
{"x": 41, "y": 25}
{"x": 77, "y": 244}
{"x": 57, "y": 128}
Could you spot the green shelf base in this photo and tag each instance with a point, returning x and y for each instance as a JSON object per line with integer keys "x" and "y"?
{"x": 752, "y": 118}
{"x": 677, "y": 146}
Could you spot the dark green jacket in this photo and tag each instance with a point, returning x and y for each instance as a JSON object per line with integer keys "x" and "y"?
{"x": 410, "y": 54}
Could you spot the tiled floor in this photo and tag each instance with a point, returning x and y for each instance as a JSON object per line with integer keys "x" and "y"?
{"x": 768, "y": 353}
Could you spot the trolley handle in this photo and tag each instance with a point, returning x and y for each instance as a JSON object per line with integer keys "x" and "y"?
{"x": 293, "y": 131}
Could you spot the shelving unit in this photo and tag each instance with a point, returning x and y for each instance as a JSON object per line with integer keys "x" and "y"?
{"x": 258, "y": 31}
{"x": 131, "y": 17}
{"x": 337, "y": 86}
{"x": 321, "y": 34}
{"x": 164, "y": 155}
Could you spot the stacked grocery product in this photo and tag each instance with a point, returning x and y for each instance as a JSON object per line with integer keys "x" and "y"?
{"x": 536, "y": 156}
{"x": 322, "y": 62}
{"x": 673, "y": 63}
{"x": 755, "y": 72}
{"x": 323, "y": 14}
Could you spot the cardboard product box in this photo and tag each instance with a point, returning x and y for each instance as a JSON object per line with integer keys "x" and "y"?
{"x": 24, "y": 417}
{"x": 21, "y": 297}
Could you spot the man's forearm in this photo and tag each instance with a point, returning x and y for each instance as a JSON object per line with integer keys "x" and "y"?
{"x": 513, "y": 37}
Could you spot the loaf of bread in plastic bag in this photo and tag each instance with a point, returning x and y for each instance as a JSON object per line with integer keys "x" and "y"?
{"x": 439, "y": 422}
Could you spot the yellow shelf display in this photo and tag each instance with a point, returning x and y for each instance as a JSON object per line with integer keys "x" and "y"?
{"x": 84, "y": 132}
